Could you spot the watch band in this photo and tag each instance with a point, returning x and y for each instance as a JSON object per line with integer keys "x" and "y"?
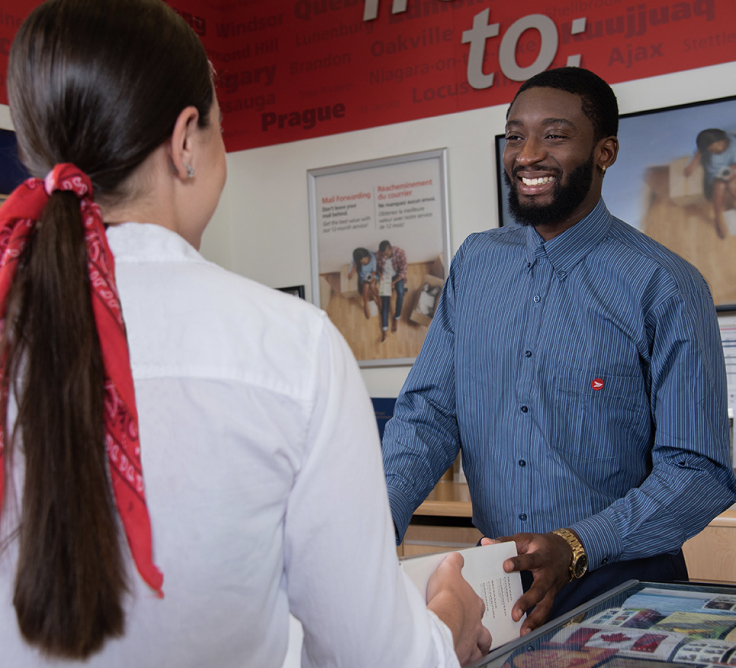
{"x": 579, "y": 560}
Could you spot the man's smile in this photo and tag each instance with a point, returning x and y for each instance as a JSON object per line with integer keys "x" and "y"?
{"x": 531, "y": 182}
{"x": 537, "y": 181}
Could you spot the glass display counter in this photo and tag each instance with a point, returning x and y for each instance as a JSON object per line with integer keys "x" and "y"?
{"x": 642, "y": 624}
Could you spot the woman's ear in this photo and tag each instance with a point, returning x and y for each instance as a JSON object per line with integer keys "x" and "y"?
{"x": 181, "y": 143}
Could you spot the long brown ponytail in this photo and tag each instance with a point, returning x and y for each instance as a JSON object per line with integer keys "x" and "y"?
{"x": 98, "y": 84}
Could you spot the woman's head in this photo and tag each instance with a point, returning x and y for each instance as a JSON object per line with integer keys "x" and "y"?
{"x": 361, "y": 256}
{"x": 101, "y": 85}
{"x": 108, "y": 85}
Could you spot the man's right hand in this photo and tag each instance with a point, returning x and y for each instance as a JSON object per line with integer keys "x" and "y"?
{"x": 453, "y": 600}
{"x": 548, "y": 557}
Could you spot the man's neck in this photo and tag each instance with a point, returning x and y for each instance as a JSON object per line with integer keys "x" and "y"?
{"x": 551, "y": 230}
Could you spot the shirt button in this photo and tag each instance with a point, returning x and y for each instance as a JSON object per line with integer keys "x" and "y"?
{"x": 524, "y": 409}
{"x": 522, "y": 463}
{"x": 528, "y": 353}
{"x": 604, "y": 561}
{"x": 522, "y": 517}
{"x": 537, "y": 298}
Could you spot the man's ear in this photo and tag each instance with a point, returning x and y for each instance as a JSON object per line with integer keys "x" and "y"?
{"x": 607, "y": 152}
{"x": 181, "y": 143}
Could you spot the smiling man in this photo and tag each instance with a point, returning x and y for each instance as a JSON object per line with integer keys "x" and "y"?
{"x": 577, "y": 365}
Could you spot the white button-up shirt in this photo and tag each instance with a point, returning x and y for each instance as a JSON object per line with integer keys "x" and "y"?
{"x": 263, "y": 478}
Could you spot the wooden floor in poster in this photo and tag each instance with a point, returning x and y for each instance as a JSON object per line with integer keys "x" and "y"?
{"x": 690, "y": 231}
{"x": 364, "y": 334}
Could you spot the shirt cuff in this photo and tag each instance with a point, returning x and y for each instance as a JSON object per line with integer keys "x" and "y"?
{"x": 601, "y": 540}
{"x": 401, "y": 511}
{"x": 443, "y": 640}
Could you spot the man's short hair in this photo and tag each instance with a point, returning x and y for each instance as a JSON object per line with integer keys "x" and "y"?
{"x": 598, "y": 100}
{"x": 384, "y": 246}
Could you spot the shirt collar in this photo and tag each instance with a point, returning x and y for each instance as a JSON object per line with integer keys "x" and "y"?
{"x": 570, "y": 247}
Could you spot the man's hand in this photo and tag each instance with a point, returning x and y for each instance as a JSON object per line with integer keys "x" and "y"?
{"x": 548, "y": 557}
{"x": 453, "y": 600}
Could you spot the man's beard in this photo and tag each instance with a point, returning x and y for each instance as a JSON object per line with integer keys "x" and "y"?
{"x": 565, "y": 198}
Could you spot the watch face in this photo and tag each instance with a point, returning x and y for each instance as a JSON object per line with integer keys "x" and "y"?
{"x": 580, "y": 566}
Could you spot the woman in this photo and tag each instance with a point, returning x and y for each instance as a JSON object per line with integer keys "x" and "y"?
{"x": 236, "y": 404}
{"x": 364, "y": 262}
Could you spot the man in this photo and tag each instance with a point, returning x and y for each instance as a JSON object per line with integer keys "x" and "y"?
{"x": 578, "y": 364}
{"x": 391, "y": 264}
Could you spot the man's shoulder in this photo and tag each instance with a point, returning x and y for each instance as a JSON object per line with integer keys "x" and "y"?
{"x": 654, "y": 258}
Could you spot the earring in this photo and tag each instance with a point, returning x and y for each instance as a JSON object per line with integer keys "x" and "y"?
{"x": 603, "y": 169}
{"x": 190, "y": 171}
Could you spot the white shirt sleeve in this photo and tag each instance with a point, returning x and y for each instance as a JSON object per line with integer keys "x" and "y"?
{"x": 343, "y": 578}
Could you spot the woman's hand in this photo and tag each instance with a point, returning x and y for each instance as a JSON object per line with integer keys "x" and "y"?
{"x": 453, "y": 600}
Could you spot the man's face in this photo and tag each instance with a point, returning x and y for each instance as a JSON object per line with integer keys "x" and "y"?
{"x": 549, "y": 159}
{"x": 388, "y": 253}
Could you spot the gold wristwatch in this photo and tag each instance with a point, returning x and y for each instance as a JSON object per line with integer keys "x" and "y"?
{"x": 579, "y": 561}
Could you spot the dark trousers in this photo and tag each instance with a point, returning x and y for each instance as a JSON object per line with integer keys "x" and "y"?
{"x": 660, "y": 568}
{"x": 386, "y": 303}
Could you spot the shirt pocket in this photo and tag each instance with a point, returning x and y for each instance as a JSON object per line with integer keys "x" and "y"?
{"x": 606, "y": 423}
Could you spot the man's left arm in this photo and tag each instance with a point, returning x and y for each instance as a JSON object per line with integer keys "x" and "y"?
{"x": 691, "y": 479}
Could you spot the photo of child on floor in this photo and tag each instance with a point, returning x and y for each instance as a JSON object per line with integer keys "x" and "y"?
{"x": 716, "y": 154}
{"x": 675, "y": 180}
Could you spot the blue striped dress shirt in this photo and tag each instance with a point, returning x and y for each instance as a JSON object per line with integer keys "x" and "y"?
{"x": 583, "y": 380}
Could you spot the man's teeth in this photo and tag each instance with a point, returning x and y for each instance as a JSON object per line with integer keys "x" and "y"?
{"x": 537, "y": 182}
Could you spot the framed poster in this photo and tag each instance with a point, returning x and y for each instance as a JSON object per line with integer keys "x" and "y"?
{"x": 379, "y": 234}
{"x": 680, "y": 195}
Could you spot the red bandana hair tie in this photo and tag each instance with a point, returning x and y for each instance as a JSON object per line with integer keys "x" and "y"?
{"x": 17, "y": 217}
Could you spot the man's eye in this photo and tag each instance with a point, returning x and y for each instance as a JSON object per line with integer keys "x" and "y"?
{"x": 512, "y": 137}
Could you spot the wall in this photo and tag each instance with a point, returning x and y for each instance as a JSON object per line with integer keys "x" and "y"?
{"x": 262, "y": 227}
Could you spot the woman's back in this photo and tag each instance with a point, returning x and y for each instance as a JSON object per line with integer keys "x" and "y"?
{"x": 253, "y": 423}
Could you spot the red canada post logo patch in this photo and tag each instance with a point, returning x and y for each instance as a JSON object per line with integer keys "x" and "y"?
{"x": 597, "y": 383}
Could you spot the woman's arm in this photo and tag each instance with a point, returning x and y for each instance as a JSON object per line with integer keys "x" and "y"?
{"x": 344, "y": 582}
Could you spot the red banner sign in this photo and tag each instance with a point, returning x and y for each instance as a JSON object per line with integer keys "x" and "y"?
{"x": 296, "y": 69}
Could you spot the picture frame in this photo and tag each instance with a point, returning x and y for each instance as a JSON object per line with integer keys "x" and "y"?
{"x": 358, "y": 208}
{"x": 296, "y": 290}
{"x": 649, "y": 188}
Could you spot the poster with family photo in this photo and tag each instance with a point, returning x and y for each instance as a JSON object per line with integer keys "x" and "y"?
{"x": 675, "y": 180}
{"x": 380, "y": 242}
